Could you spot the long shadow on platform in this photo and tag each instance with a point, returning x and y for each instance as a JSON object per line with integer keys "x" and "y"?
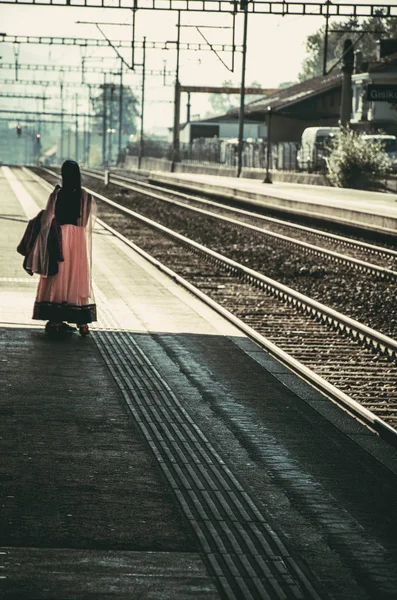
{"x": 77, "y": 471}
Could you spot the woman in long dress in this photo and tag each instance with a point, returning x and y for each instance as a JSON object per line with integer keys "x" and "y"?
{"x": 67, "y": 296}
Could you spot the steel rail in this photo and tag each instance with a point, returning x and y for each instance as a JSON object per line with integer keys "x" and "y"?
{"x": 344, "y": 241}
{"x": 336, "y": 257}
{"x": 360, "y": 333}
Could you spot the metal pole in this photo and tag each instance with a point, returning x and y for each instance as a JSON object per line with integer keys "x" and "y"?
{"x": 104, "y": 123}
{"x": 88, "y": 142}
{"x": 38, "y": 146}
{"x": 62, "y": 130}
{"x": 133, "y": 36}
{"x": 268, "y": 145}
{"x": 177, "y": 101}
{"x": 346, "y": 96}
{"x": 16, "y": 49}
{"x": 188, "y": 106}
{"x": 77, "y": 132}
{"x": 242, "y": 95}
{"x": 84, "y": 140}
{"x": 120, "y": 108}
{"x": 86, "y": 125}
{"x": 328, "y": 2}
{"x": 141, "y": 137}
{"x": 111, "y": 123}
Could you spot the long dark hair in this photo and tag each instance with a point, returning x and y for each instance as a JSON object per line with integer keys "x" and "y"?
{"x": 71, "y": 177}
{"x": 69, "y": 197}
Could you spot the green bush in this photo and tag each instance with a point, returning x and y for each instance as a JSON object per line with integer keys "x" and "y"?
{"x": 356, "y": 163}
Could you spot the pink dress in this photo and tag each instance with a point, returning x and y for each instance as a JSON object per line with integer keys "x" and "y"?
{"x": 68, "y": 295}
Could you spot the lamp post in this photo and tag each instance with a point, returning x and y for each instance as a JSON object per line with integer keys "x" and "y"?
{"x": 268, "y": 146}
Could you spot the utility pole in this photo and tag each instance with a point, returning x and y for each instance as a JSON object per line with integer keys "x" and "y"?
{"x": 142, "y": 134}
{"x": 177, "y": 101}
{"x": 110, "y": 129}
{"x": 347, "y": 70}
{"x": 327, "y": 4}
{"x": 77, "y": 131}
{"x": 244, "y": 5}
{"x": 89, "y": 113}
{"x": 188, "y": 107}
{"x": 104, "y": 123}
{"x": 268, "y": 178}
{"x": 16, "y": 49}
{"x": 86, "y": 129}
{"x": 121, "y": 107}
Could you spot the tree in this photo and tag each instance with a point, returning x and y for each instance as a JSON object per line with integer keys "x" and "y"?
{"x": 222, "y": 103}
{"x": 286, "y": 84}
{"x": 130, "y": 109}
{"x": 376, "y": 28}
{"x": 355, "y": 162}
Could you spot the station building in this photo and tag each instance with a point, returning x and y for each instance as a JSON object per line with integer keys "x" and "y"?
{"x": 315, "y": 102}
{"x": 374, "y": 92}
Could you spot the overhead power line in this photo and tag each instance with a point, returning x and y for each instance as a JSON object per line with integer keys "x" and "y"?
{"x": 39, "y": 113}
{"x": 77, "y": 69}
{"x": 226, "y": 6}
{"x": 103, "y": 43}
{"x": 45, "y": 83}
{"x": 24, "y": 96}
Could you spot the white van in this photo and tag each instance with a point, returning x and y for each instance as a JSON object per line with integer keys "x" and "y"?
{"x": 313, "y": 148}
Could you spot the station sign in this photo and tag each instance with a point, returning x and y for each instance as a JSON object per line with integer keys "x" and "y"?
{"x": 382, "y": 92}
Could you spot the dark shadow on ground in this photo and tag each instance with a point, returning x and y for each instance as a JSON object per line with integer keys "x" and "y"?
{"x": 78, "y": 472}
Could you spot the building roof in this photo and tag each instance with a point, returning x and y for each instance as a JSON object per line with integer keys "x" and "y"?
{"x": 294, "y": 94}
{"x": 386, "y": 63}
{"x": 227, "y": 118}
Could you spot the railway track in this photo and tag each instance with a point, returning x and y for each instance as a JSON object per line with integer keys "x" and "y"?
{"x": 352, "y": 363}
{"x": 309, "y": 238}
{"x": 363, "y": 290}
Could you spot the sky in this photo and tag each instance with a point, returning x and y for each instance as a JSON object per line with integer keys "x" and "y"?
{"x": 275, "y": 51}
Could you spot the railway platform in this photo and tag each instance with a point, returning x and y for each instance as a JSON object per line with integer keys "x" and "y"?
{"x": 167, "y": 456}
{"x": 372, "y": 211}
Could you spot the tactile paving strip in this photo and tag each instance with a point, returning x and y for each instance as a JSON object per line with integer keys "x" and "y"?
{"x": 247, "y": 558}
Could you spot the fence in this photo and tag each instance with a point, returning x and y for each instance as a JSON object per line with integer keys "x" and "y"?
{"x": 283, "y": 155}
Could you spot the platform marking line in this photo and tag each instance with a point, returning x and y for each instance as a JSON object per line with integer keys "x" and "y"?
{"x": 245, "y": 555}
{"x": 18, "y": 280}
{"x": 29, "y": 205}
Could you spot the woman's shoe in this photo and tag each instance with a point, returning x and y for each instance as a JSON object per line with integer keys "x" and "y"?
{"x": 68, "y": 328}
{"x": 83, "y": 330}
{"x": 53, "y": 328}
